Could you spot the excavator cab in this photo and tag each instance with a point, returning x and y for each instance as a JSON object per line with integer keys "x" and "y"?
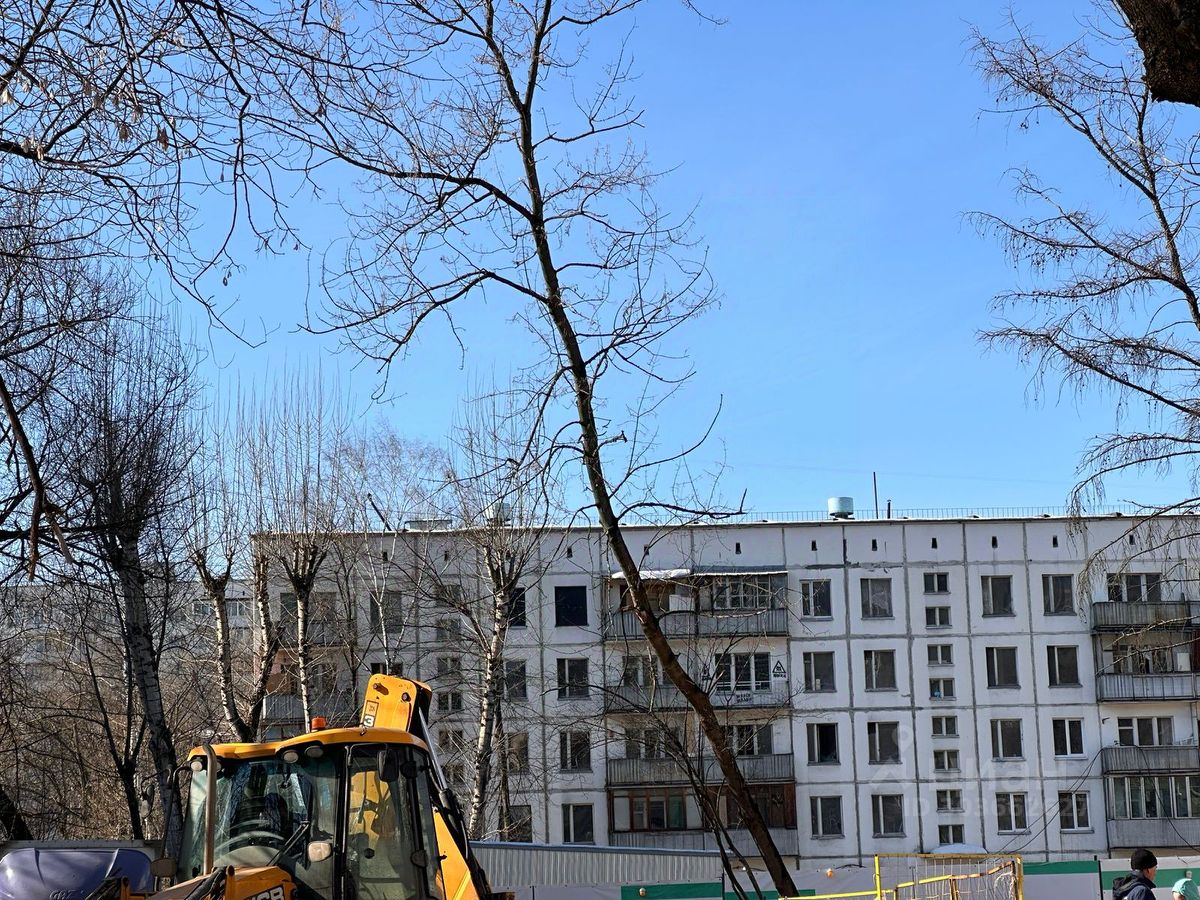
{"x": 335, "y": 814}
{"x": 345, "y": 821}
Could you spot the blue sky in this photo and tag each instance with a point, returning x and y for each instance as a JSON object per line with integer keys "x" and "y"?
{"x": 832, "y": 150}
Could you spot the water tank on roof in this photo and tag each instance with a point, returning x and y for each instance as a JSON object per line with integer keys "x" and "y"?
{"x": 841, "y": 507}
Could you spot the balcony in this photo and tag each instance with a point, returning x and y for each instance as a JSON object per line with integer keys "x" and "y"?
{"x": 623, "y": 772}
{"x": 1111, "y": 686}
{"x": 1161, "y": 834}
{"x": 1140, "y": 760}
{"x": 667, "y": 697}
{"x": 624, "y": 626}
{"x": 1109, "y": 616}
{"x": 785, "y": 840}
{"x": 337, "y": 708}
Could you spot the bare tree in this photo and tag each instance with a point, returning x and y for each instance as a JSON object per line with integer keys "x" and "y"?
{"x": 227, "y": 508}
{"x": 299, "y": 431}
{"x": 1111, "y": 301}
{"x": 125, "y": 447}
{"x": 483, "y": 187}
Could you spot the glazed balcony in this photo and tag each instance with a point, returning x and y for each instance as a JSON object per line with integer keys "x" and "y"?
{"x": 1114, "y": 687}
{"x": 634, "y": 772}
{"x": 690, "y": 623}
{"x": 1110, "y": 616}
{"x": 1150, "y": 760}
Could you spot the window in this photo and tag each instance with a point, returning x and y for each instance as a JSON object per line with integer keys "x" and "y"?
{"x": 1068, "y": 737}
{"x": 1145, "y": 731}
{"x": 449, "y": 678}
{"x": 883, "y": 742}
{"x": 937, "y": 583}
{"x": 949, "y": 800}
{"x": 1155, "y": 796}
{"x": 657, "y": 811}
{"x": 577, "y": 823}
{"x": 516, "y": 751}
{"x": 937, "y": 617}
{"x": 822, "y": 743}
{"x": 1073, "y": 811}
{"x": 516, "y": 609}
{"x": 815, "y": 600}
{"x": 743, "y": 672}
{"x": 572, "y": 679}
{"x": 1134, "y": 587}
{"x": 650, "y": 743}
{"x": 451, "y": 742}
{"x": 776, "y": 802}
{"x": 950, "y": 834}
{"x": 750, "y": 740}
{"x": 570, "y": 607}
{"x": 1063, "y": 663}
{"x": 1010, "y": 813}
{"x": 1058, "y": 598}
{"x": 516, "y": 686}
{"x": 997, "y": 595}
{"x": 639, "y": 671}
{"x": 386, "y": 612}
{"x": 887, "y": 815}
{"x": 518, "y": 826}
{"x": 575, "y": 751}
{"x": 749, "y": 591}
{"x": 447, "y": 630}
{"x": 945, "y": 760}
{"x": 1002, "y": 667}
{"x": 941, "y": 688}
{"x": 945, "y": 726}
{"x": 941, "y": 655}
{"x": 826, "y": 816}
{"x": 876, "y": 598}
{"x": 237, "y": 608}
{"x": 880, "y": 669}
{"x": 818, "y": 672}
{"x": 1006, "y": 739}
{"x": 202, "y": 610}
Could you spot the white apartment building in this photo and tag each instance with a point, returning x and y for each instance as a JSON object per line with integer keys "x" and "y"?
{"x": 1019, "y": 683}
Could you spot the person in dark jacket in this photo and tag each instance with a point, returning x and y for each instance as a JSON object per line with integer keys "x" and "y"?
{"x": 1139, "y": 883}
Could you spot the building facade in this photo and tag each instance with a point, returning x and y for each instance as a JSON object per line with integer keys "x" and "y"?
{"x": 1022, "y": 684}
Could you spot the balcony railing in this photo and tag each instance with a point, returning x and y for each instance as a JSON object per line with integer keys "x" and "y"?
{"x": 337, "y": 708}
{"x": 666, "y": 697}
{"x": 1182, "y": 758}
{"x": 1109, "y": 616}
{"x": 1161, "y": 834}
{"x": 1117, "y": 687}
{"x": 623, "y": 626}
{"x": 775, "y": 767}
{"x": 785, "y": 840}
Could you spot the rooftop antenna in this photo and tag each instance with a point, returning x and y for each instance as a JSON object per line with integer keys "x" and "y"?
{"x": 875, "y": 488}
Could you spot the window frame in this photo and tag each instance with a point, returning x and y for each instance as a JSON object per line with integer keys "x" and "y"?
{"x": 816, "y": 807}
{"x": 809, "y": 591}
{"x": 1054, "y": 664}
{"x": 992, "y": 660}
{"x": 872, "y": 668}
{"x": 873, "y": 600}
{"x": 989, "y": 598}
{"x": 564, "y": 614}
{"x": 879, "y": 815}
{"x": 1014, "y": 802}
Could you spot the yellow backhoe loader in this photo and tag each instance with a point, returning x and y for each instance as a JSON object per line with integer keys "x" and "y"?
{"x": 335, "y": 814}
